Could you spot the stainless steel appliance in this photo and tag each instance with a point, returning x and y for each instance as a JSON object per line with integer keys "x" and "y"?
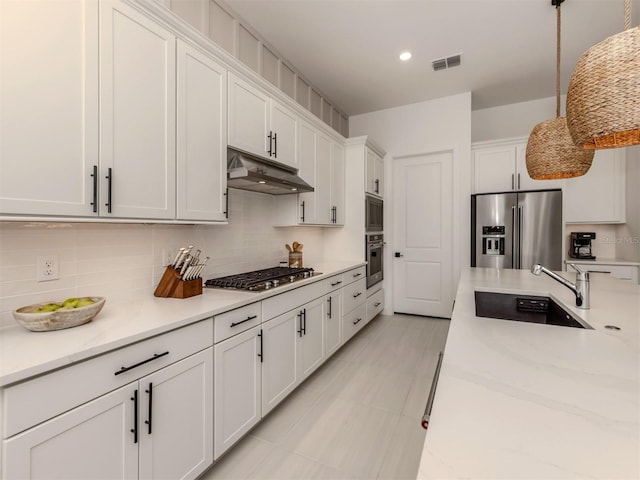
{"x": 373, "y": 214}
{"x": 517, "y": 230}
{"x": 374, "y": 244}
{"x": 264, "y": 279}
{"x": 581, "y": 245}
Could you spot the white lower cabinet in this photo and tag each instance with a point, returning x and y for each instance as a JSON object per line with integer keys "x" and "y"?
{"x": 238, "y": 388}
{"x": 160, "y": 426}
{"x": 311, "y": 338}
{"x": 375, "y": 304}
{"x": 353, "y": 321}
{"x": 333, "y": 323}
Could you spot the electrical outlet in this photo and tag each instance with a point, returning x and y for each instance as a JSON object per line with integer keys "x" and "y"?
{"x": 47, "y": 268}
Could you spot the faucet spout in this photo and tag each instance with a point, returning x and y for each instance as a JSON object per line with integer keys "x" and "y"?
{"x": 580, "y": 288}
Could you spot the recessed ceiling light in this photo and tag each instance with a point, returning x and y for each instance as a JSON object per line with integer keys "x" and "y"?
{"x": 404, "y": 56}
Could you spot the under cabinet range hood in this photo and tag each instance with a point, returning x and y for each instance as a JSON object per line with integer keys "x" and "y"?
{"x": 248, "y": 172}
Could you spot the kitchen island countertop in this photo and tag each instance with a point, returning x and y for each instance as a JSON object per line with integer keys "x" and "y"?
{"x": 529, "y": 401}
{"x": 24, "y": 354}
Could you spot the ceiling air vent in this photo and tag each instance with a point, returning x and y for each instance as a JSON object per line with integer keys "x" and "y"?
{"x": 449, "y": 62}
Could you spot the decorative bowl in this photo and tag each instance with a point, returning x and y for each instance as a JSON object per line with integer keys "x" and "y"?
{"x": 58, "y": 319}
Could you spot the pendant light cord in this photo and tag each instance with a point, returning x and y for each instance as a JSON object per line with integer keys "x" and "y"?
{"x": 627, "y": 14}
{"x": 558, "y": 60}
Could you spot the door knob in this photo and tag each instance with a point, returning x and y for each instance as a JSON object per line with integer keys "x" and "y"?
{"x": 398, "y": 255}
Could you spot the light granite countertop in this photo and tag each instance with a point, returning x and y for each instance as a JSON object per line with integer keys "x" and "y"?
{"x": 24, "y": 354}
{"x": 602, "y": 261}
{"x": 529, "y": 401}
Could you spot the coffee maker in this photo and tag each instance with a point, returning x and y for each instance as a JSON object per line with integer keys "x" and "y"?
{"x": 581, "y": 245}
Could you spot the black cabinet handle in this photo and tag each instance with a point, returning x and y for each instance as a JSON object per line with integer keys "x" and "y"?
{"x": 94, "y": 203}
{"x": 336, "y": 283}
{"x": 261, "y": 354}
{"x": 234, "y": 324}
{"x": 300, "y": 332}
{"x": 357, "y": 321}
{"x": 357, "y": 295}
{"x": 109, "y": 178}
{"x": 377, "y": 304}
{"x": 432, "y": 394}
{"x": 226, "y": 203}
{"x": 134, "y": 430}
{"x": 302, "y": 207}
{"x": 304, "y": 321}
{"x": 356, "y": 275}
{"x": 377, "y": 186}
{"x": 150, "y": 392}
{"x": 275, "y": 145}
{"x": 329, "y": 311}
{"x": 270, "y": 140}
{"x": 155, "y": 357}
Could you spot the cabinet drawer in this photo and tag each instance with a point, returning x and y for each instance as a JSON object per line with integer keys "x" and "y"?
{"x": 333, "y": 283}
{"x": 353, "y": 321}
{"x": 354, "y": 275}
{"x": 236, "y": 321}
{"x": 34, "y": 401}
{"x": 375, "y": 304}
{"x": 354, "y": 294}
{"x": 275, "y": 306}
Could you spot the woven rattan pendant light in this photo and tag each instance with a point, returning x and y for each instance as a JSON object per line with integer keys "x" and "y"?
{"x": 551, "y": 153}
{"x": 603, "y": 100}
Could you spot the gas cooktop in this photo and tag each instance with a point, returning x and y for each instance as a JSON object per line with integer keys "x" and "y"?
{"x": 261, "y": 279}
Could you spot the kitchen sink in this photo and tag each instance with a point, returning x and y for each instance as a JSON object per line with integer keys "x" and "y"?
{"x": 524, "y": 308}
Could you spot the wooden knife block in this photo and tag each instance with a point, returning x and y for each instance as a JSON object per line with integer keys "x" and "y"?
{"x": 170, "y": 285}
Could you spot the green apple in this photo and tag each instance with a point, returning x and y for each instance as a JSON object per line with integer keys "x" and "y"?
{"x": 83, "y": 302}
{"x": 48, "y": 307}
{"x": 70, "y": 303}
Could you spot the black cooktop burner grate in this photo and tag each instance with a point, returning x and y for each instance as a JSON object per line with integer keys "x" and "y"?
{"x": 260, "y": 279}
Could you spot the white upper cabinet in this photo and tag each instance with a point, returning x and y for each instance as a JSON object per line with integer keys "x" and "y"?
{"x": 374, "y": 183}
{"x": 501, "y": 167}
{"x": 201, "y": 163}
{"x": 337, "y": 183}
{"x": 49, "y": 102}
{"x": 137, "y": 115}
{"x": 307, "y": 144}
{"x": 260, "y": 125}
{"x": 599, "y": 195}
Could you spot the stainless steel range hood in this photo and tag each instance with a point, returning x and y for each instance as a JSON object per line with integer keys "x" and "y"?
{"x": 249, "y": 172}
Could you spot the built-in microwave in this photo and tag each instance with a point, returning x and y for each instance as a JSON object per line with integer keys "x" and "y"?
{"x": 373, "y": 214}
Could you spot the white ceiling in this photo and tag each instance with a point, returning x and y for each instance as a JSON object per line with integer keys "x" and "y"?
{"x": 349, "y": 49}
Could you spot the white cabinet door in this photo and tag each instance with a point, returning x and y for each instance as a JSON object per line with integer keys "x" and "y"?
{"x": 337, "y": 183}
{"x": 137, "y": 114}
{"x": 284, "y": 127}
{"x": 494, "y": 169}
{"x": 237, "y": 388}
{"x": 93, "y": 441}
{"x": 176, "y": 419}
{"x": 374, "y": 174}
{"x": 49, "y": 103}
{"x": 322, "y": 192}
{"x": 249, "y": 117}
{"x": 279, "y": 359}
{"x": 311, "y": 341}
{"x": 599, "y": 195}
{"x": 307, "y": 141}
{"x": 333, "y": 323}
{"x": 201, "y": 163}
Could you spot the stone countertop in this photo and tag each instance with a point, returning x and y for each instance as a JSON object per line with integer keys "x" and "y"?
{"x": 24, "y": 354}
{"x": 529, "y": 401}
{"x": 603, "y": 261}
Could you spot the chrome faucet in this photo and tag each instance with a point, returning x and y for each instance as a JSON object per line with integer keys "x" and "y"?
{"x": 580, "y": 288}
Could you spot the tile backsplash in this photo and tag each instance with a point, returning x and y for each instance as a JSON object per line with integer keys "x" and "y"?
{"x": 123, "y": 261}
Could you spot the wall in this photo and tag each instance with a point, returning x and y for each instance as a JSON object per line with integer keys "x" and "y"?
{"x": 434, "y": 125}
{"x": 124, "y": 261}
{"x": 627, "y": 236}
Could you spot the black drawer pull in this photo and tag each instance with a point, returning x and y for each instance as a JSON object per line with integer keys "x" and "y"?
{"x": 134, "y": 430}
{"x": 336, "y": 283}
{"x": 357, "y": 295}
{"x": 377, "y": 304}
{"x": 357, "y": 321}
{"x": 356, "y": 275}
{"x": 149, "y": 421}
{"x": 234, "y": 324}
{"x": 155, "y": 356}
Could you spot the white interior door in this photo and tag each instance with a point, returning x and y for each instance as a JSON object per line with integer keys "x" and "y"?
{"x": 423, "y": 210}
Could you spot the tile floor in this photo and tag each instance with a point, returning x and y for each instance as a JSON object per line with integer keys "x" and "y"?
{"x": 357, "y": 417}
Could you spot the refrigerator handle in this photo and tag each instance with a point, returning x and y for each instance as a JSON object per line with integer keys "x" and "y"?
{"x": 513, "y": 237}
{"x": 520, "y": 214}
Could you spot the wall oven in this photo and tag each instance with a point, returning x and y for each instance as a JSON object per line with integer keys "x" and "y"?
{"x": 374, "y": 246}
{"x": 373, "y": 214}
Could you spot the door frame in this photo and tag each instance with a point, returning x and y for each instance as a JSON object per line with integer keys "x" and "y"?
{"x": 461, "y": 215}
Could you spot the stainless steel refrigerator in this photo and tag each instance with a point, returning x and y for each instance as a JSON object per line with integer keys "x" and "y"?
{"x": 517, "y": 230}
